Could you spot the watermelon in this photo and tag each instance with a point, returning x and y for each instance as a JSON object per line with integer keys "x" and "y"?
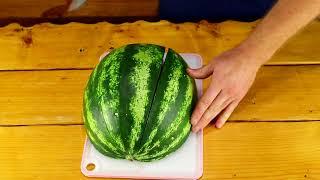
{"x": 138, "y": 102}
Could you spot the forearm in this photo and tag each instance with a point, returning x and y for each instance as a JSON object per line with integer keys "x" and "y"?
{"x": 283, "y": 21}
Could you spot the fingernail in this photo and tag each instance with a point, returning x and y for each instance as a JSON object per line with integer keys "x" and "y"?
{"x": 218, "y": 125}
{"x": 195, "y": 129}
{"x": 189, "y": 70}
{"x": 193, "y": 120}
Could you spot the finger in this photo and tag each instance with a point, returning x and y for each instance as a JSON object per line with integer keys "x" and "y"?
{"x": 214, "y": 109}
{"x": 203, "y": 72}
{"x": 204, "y": 102}
{"x": 225, "y": 114}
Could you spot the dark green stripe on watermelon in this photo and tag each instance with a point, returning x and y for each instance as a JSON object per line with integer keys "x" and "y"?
{"x": 135, "y": 107}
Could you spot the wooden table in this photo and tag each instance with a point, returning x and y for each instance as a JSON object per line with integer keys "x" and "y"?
{"x": 273, "y": 134}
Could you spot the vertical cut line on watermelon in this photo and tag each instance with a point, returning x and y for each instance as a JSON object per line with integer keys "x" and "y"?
{"x": 142, "y": 77}
{"x": 169, "y": 98}
{"x": 164, "y": 58}
{"x": 153, "y": 97}
{"x": 171, "y": 134}
{"x": 151, "y": 148}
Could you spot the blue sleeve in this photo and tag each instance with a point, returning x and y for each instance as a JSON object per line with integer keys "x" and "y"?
{"x": 213, "y": 10}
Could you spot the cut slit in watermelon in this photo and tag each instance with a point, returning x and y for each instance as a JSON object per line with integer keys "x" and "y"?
{"x": 153, "y": 95}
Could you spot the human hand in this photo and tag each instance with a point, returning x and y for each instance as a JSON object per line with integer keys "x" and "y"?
{"x": 233, "y": 73}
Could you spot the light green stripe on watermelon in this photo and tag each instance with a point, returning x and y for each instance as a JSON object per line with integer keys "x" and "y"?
{"x": 109, "y": 101}
{"x": 106, "y": 116}
{"x": 111, "y": 57}
{"x": 93, "y": 127}
{"x": 98, "y": 88}
{"x": 107, "y": 89}
{"x": 183, "y": 112}
{"x": 101, "y": 148}
{"x": 109, "y": 69}
{"x": 170, "y": 147}
{"x": 140, "y": 78}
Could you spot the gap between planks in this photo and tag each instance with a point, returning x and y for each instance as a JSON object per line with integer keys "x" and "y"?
{"x": 91, "y": 68}
{"x": 231, "y": 121}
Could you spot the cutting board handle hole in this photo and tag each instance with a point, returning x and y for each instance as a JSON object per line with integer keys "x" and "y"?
{"x": 90, "y": 167}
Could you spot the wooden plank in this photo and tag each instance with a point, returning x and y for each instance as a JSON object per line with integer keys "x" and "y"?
{"x": 42, "y": 97}
{"x": 26, "y": 8}
{"x": 75, "y": 45}
{"x": 298, "y": 46}
{"x": 92, "y": 8}
{"x": 117, "y": 8}
{"x": 239, "y": 150}
{"x": 280, "y": 93}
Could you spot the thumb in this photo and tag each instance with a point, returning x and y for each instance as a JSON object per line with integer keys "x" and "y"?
{"x": 203, "y": 72}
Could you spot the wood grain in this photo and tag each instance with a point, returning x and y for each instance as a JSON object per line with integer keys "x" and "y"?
{"x": 42, "y": 97}
{"x": 117, "y": 8}
{"x": 280, "y": 93}
{"x": 26, "y": 8}
{"x": 74, "y": 45}
{"x": 92, "y": 8}
{"x": 238, "y": 151}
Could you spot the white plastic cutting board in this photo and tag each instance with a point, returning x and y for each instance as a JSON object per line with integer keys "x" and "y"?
{"x": 185, "y": 163}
